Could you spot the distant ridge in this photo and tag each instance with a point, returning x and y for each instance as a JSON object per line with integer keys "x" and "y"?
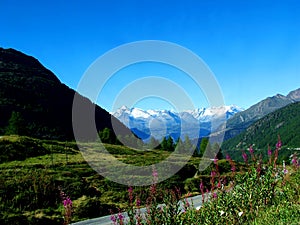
{"x": 44, "y": 103}
{"x": 163, "y": 123}
{"x": 284, "y": 122}
{"x": 240, "y": 121}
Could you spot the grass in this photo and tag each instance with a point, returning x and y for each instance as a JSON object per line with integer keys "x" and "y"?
{"x": 260, "y": 193}
{"x": 30, "y": 188}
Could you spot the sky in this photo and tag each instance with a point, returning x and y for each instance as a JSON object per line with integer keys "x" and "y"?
{"x": 251, "y": 47}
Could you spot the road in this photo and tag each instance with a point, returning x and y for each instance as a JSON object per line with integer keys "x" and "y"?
{"x": 105, "y": 220}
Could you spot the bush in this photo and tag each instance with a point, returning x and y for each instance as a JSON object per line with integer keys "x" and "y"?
{"x": 262, "y": 194}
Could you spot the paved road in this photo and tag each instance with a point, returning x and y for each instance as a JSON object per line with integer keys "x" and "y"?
{"x": 105, "y": 220}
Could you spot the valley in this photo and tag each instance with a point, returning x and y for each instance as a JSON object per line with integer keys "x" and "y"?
{"x": 46, "y": 177}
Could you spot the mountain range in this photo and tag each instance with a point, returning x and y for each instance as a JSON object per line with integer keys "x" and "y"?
{"x": 284, "y": 122}
{"x": 45, "y": 105}
{"x": 162, "y": 123}
{"x": 41, "y": 100}
{"x": 240, "y": 121}
{"x": 198, "y": 123}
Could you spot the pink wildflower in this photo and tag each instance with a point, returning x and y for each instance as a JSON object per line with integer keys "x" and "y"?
{"x": 245, "y": 157}
{"x": 202, "y": 191}
{"x": 113, "y": 219}
{"x": 213, "y": 174}
{"x": 228, "y": 157}
{"x": 67, "y": 202}
{"x": 219, "y": 184}
{"x": 130, "y": 193}
{"x": 251, "y": 149}
{"x": 233, "y": 169}
{"x": 201, "y": 186}
{"x": 279, "y": 144}
{"x": 295, "y": 161}
{"x": 269, "y": 151}
{"x": 138, "y": 202}
{"x": 215, "y": 195}
{"x": 120, "y": 216}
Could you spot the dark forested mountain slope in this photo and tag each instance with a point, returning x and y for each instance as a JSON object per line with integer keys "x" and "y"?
{"x": 284, "y": 122}
{"x": 42, "y": 102}
{"x": 240, "y": 121}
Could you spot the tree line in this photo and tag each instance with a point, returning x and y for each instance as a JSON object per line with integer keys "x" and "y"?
{"x": 166, "y": 144}
{"x": 16, "y": 125}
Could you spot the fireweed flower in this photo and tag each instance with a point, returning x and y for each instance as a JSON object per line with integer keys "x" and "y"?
{"x": 201, "y": 186}
{"x": 67, "y": 203}
{"x": 130, "y": 193}
{"x": 113, "y": 218}
{"x": 251, "y": 150}
{"x": 138, "y": 202}
{"x": 120, "y": 216}
{"x": 245, "y": 157}
{"x": 219, "y": 184}
{"x": 228, "y": 157}
{"x": 213, "y": 174}
{"x": 155, "y": 180}
{"x": 215, "y": 195}
{"x": 233, "y": 169}
{"x": 269, "y": 151}
{"x": 202, "y": 191}
{"x": 231, "y": 163}
{"x": 279, "y": 144}
{"x": 295, "y": 161}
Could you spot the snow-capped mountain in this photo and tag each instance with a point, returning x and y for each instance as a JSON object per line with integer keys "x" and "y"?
{"x": 161, "y": 123}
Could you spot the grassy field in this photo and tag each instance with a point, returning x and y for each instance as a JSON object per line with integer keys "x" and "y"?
{"x": 31, "y": 187}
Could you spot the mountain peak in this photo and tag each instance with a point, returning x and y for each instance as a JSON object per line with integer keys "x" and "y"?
{"x": 162, "y": 123}
{"x": 44, "y": 103}
{"x": 242, "y": 120}
{"x": 294, "y": 95}
{"x": 19, "y": 64}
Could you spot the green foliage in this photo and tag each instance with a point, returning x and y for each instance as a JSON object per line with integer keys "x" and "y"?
{"x": 203, "y": 146}
{"x": 283, "y": 121}
{"x": 16, "y": 124}
{"x": 20, "y": 148}
{"x": 255, "y": 199}
{"x": 107, "y": 136}
{"x": 262, "y": 194}
{"x": 29, "y": 189}
{"x": 167, "y": 144}
{"x": 90, "y": 207}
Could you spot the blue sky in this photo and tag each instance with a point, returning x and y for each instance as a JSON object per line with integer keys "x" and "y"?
{"x": 252, "y": 47}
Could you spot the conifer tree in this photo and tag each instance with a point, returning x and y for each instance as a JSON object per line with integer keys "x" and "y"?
{"x": 16, "y": 124}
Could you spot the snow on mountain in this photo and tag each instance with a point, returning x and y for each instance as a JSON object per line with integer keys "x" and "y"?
{"x": 161, "y": 123}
